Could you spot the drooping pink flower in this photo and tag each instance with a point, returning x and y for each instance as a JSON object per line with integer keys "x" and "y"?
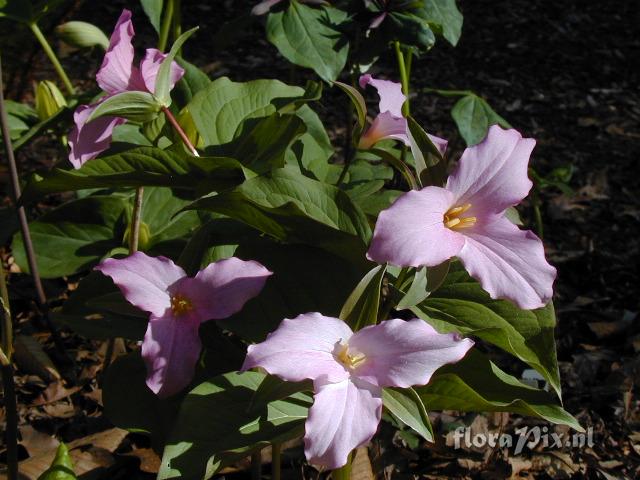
{"x": 348, "y": 372}
{"x": 390, "y": 123}
{"x": 117, "y": 74}
{"x": 467, "y": 219}
{"x": 266, "y": 5}
{"x": 177, "y": 305}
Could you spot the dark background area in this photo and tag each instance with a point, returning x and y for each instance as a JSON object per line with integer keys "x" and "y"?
{"x": 563, "y": 72}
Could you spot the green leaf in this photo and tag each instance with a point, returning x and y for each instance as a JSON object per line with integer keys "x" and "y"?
{"x": 426, "y": 155}
{"x": 446, "y": 15}
{"x": 263, "y": 142}
{"x": 222, "y": 421}
{"x": 310, "y": 37}
{"x": 296, "y": 209}
{"x": 74, "y": 236}
{"x": 407, "y": 407}
{"x": 461, "y": 305}
{"x": 475, "y": 384}
{"x": 136, "y": 106}
{"x": 162, "y": 90}
{"x": 474, "y": 116}
{"x": 62, "y": 466}
{"x": 425, "y": 281}
{"x": 144, "y": 166}
{"x": 407, "y": 28}
{"x": 361, "y": 308}
{"x": 220, "y": 109}
{"x": 82, "y": 35}
{"x": 312, "y": 151}
{"x": 153, "y": 9}
{"x": 358, "y": 102}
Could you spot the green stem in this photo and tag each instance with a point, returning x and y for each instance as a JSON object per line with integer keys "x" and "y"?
{"x": 177, "y": 21}
{"x": 343, "y": 473}
{"x": 388, "y": 303}
{"x": 276, "y": 461}
{"x": 166, "y": 25}
{"x": 183, "y": 136}
{"x": 134, "y": 232}
{"x": 404, "y": 77}
{"x": 52, "y": 57}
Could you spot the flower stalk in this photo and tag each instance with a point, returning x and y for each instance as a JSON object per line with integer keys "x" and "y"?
{"x": 183, "y": 136}
{"x": 404, "y": 75}
{"x": 167, "y": 20}
{"x": 52, "y": 57}
{"x": 276, "y": 461}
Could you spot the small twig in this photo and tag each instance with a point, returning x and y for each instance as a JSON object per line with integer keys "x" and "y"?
{"x": 183, "y": 136}
{"x": 256, "y": 465}
{"x": 24, "y": 224}
{"x": 276, "y": 461}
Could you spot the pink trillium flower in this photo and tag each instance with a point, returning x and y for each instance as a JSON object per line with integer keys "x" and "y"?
{"x": 349, "y": 371}
{"x": 378, "y": 19}
{"x": 390, "y": 123}
{"x": 467, "y": 219}
{"x": 117, "y": 74}
{"x": 177, "y": 305}
{"x": 266, "y": 5}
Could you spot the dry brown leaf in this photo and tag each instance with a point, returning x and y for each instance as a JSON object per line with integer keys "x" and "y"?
{"x": 53, "y": 393}
{"x": 149, "y": 460}
{"x": 361, "y": 468}
{"x": 519, "y": 464}
{"x": 35, "y": 442}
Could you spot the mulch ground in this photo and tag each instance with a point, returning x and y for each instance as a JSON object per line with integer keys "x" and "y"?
{"x": 564, "y": 73}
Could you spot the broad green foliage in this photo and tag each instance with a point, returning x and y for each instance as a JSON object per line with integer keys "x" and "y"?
{"x": 291, "y": 207}
{"x": 310, "y": 37}
{"x": 476, "y": 384}
{"x": 76, "y": 235}
{"x": 446, "y": 17}
{"x": 461, "y": 305}
{"x": 153, "y": 9}
{"x": 205, "y": 439}
{"x": 474, "y": 116}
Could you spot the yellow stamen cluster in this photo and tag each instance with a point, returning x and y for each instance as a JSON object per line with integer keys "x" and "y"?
{"x": 454, "y": 220}
{"x": 180, "y": 305}
{"x": 349, "y": 360}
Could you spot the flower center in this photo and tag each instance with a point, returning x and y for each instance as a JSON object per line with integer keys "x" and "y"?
{"x": 180, "y": 305}
{"x": 349, "y": 359}
{"x": 454, "y": 220}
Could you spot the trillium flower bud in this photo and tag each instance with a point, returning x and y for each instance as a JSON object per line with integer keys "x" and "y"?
{"x": 49, "y": 99}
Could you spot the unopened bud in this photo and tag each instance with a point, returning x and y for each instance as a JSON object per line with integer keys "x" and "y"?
{"x": 82, "y": 35}
{"x": 49, "y": 100}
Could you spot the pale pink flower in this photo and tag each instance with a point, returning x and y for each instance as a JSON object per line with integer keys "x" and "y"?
{"x": 116, "y": 75}
{"x": 466, "y": 219}
{"x": 177, "y": 305}
{"x": 390, "y": 123}
{"x": 349, "y": 371}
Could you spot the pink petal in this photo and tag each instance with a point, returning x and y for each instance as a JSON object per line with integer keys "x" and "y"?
{"x": 493, "y": 174}
{"x": 144, "y": 281}
{"x": 223, "y": 287}
{"x": 151, "y": 64}
{"x": 508, "y": 262}
{"x": 391, "y": 96}
{"x": 411, "y": 233}
{"x": 264, "y": 7}
{"x": 170, "y": 350}
{"x": 375, "y": 23}
{"x": 117, "y": 73}
{"x": 343, "y": 416}
{"x": 386, "y": 125}
{"x": 88, "y": 140}
{"x": 440, "y": 143}
{"x": 402, "y": 354}
{"x": 302, "y": 348}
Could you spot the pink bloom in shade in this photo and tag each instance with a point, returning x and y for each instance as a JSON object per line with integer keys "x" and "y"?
{"x": 177, "y": 305}
{"x": 266, "y": 5}
{"x": 348, "y": 372}
{"x": 467, "y": 219}
{"x": 117, "y": 74}
{"x": 390, "y": 123}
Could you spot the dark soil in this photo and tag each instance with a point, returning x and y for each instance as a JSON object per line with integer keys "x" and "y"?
{"x": 563, "y": 72}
